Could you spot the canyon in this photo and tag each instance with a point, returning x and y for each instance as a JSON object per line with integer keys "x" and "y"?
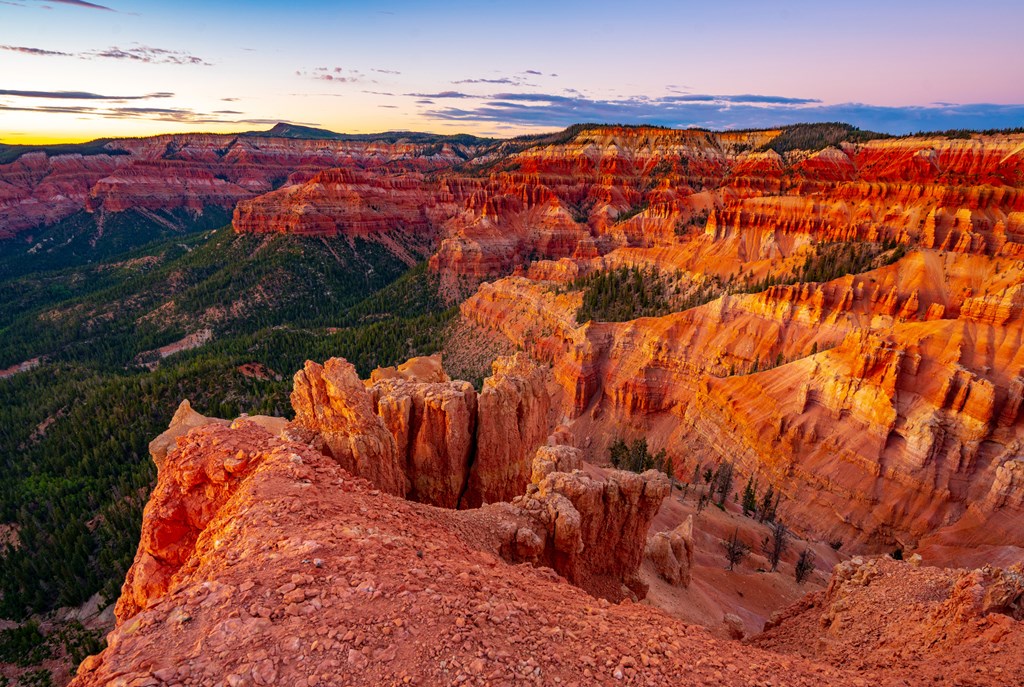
{"x": 842, "y": 323}
{"x": 883, "y": 403}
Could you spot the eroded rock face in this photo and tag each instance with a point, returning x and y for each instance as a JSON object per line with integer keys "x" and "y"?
{"x": 592, "y": 532}
{"x": 881, "y": 423}
{"x": 558, "y": 458}
{"x": 447, "y": 445}
{"x": 434, "y": 425}
{"x": 331, "y": 401}
{"x": 515, "y": 405}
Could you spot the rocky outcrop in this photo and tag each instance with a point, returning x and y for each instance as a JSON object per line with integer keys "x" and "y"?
{"x": 558, "y": 458}
{"x": 515, "y": 405}
{"x": 591, "y": 531}
{"x": 184, "y": 420}
{"x": 880, "y": 615}
{"x": 445, "y": 445}
{"x": 434, "y": 425}
{"x": 331, "y": 402}
{"x": 671, "y": 553}
{"x": 206, "y": 470}
{"x": 284, "y": 569}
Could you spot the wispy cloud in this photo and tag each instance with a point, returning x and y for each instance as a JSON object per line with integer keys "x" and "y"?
{"x": 80, "y": 95}
{"x": 718, "y": 112}
{"x": 40, "y": 52}
{"x": 182, "y": 115}
{"x": 134, "y": 53}
{"x": 503, "y": 80}
{"x": 442, "y": 94}
{"x": 83, "y": 3}
{"x": 145, "y": 53}
{"x": 741, "y": 99}
{"x": 334, "y": 75}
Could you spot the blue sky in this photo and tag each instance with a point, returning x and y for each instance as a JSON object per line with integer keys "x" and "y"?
{"x": 73, "y": 70}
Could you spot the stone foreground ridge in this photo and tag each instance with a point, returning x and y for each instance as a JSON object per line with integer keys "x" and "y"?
{"x": 413, "y": 433}
{"x": 282, "y": 568}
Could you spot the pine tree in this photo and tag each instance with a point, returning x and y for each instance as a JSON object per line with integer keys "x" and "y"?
{"x": 618, "y": 454}
{"x": 724, "y": 481}
{"x": 750, "y": 497}
{"x": 766, "y": 504}
{"x": 775, "y": 544}
{"x": 804, "y": 565}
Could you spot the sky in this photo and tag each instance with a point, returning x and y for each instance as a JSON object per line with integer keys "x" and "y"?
{"x": 74, "y": 70}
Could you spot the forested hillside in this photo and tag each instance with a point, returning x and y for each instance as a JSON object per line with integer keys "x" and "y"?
{"x": 75, "y": 470}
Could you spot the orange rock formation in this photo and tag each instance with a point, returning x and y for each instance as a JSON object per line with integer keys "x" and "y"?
{"x": 884, "y": 404}
{"x": 415, "y": 433}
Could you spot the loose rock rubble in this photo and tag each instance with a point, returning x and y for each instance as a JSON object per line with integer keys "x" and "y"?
{"x": 928, "y": 625}
{"x": 292, "y": 572}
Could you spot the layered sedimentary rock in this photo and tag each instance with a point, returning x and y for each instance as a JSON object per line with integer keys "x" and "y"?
{"x": 402, "y": 210}
{"x": 717, "y": 205}
{"x": 285, "y": 569}
{"x": 195, "y": 172}
{"x": 930, "y": 624}
{"x": 445, "y": 444}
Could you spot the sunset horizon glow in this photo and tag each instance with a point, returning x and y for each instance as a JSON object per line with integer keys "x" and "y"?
{"x": 75, "y": 71}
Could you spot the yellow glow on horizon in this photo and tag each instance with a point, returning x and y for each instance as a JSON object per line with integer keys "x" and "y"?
{"x": 98, "y": 128}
